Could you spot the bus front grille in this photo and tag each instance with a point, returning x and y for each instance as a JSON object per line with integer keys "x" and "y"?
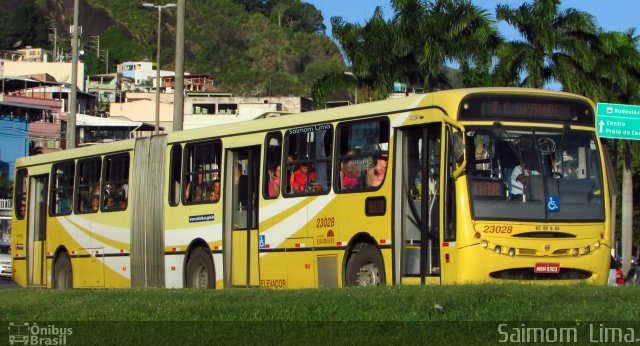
{"x": 529, "y": 274}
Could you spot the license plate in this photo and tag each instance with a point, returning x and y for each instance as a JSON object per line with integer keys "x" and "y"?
{"x": 548, "y": 268}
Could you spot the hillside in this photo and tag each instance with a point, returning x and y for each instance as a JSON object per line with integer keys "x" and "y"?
{"x": 250, "y": 47}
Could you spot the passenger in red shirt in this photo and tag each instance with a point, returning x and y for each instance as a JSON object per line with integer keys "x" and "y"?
{"x": 298, "y": 179}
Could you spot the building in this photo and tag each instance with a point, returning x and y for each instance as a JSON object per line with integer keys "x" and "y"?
{"x": 109, "y": 87}
{"x": 142, "y": 72}
{"x": 205, "y": 109}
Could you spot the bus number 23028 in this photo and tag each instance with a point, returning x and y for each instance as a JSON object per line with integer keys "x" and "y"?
{"x": 323, "y": 222}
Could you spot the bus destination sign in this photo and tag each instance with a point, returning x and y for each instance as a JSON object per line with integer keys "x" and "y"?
{"x": 618, "y": 121}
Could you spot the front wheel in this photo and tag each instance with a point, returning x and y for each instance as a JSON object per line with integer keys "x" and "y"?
{"x": 200, "y": 272}
{"x": 63, "y": 276}
{"x": 365, "y": 268}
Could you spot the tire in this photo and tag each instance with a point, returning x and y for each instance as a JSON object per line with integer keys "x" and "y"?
{"x": 200, "y": 273}
{"x": 365, "y": 268}
{"x": 62, "y": 273}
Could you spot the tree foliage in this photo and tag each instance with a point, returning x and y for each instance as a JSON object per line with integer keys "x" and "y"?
{"x": 24, "y": 27}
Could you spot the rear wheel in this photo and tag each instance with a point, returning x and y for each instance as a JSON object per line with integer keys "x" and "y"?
{"x": 63, "y": 276}
{"x": 365, "y": 268}
{"x": 200, "y": 270}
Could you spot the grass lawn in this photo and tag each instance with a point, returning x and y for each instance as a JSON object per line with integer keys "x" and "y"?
{"x": 479, "y": 314}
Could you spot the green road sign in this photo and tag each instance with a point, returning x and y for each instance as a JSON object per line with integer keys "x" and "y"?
{"x": 618, "y": 121}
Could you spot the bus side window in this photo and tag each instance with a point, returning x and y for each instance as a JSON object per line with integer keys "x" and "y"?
{"x": 308, "y": 165}
{"x": 174, "y": 174}
{"x": 20, "y": 197}
{"x": 62, "y": 188}
{"x": 116, "y": 182}
{"x": 361, "y": 154}
{"x": 273, "y": 169}
{"x": 87, "y": 198}
{"x": 201, "y": 170}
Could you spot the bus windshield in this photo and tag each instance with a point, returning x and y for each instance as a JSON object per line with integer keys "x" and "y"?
{"x": 534, "y": 174}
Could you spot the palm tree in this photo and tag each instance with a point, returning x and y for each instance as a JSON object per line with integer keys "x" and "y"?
{"x": 413, "y": 47}
{"x": 556, "y": 44}
{"x": 430, "y": 34}
{"x": 369, "y": 50}
{"x": 615, "y": 77}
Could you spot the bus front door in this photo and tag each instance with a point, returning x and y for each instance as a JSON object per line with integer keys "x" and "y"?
{"x": 36, "y": 236}
{"x": 241, "y": 208}
{"x": 418, "y": 218}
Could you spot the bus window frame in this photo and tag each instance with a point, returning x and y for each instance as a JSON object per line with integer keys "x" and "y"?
{"x": 77, "y": 186}
{"x": 296, "y": 163}
{"x": 69, "y": 189}
{"x": 385, "y": 124}
{"x": 184, "y": 173}
{"x": 173, "y": 199}
{"x": 266, "y": 178}
{"x": 20, "y": 197}
{"x": 103, "y": 181}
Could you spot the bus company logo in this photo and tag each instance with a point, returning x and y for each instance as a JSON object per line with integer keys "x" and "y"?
{"x": 25, "y": 333}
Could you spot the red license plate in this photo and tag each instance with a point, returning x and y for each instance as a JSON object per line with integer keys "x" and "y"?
{"x": 548, "y": 268}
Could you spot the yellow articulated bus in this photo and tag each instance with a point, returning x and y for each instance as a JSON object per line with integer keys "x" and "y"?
{"x": 450, "y": 187}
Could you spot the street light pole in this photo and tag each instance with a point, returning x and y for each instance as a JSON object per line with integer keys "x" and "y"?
{"x": 356, "y": 90}
{"x": 147, "y": 5}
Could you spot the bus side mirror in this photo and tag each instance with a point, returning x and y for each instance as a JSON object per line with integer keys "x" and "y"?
{"x": 458, "y": 147}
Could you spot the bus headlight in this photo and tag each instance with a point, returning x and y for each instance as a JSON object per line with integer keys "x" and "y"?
{"x": 512, "y": 252}
{"x": 484, "y": 244}
{"x": 597, "y": 245}
{"x": 497, "y": 249}
{"x": 587, "y": 249}
{"x": 576, "y": 252}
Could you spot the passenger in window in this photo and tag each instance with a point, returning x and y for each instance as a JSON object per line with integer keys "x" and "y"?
{"x": 298, "y": 180}
{"x": 21, "y": 211}
{"x": 122, "y": 204}
{"x": 214, "y": 196}
{"x": 375, "y": 174}
{"x": 195, "y": 189}
{"x": 274, "y": 183}
{"x": 95, "y": 203}
{"x": 350, "y": 173}
{"x": 110, "y": 203}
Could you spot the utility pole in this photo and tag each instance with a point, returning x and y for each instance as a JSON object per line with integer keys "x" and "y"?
{"x": 106, "y": 61}
{"x": 53, "y": 28}
{"x": 71, "y": 121}
{"x": 178, "y": 93}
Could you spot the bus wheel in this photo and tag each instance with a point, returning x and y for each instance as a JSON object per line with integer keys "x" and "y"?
{"x": 63, "y": 278}
{"x": 200, "y": 270}
{"x": 365, "y": 268}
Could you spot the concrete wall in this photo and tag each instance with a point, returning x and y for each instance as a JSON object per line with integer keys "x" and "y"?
{"x": 61, "y": 71}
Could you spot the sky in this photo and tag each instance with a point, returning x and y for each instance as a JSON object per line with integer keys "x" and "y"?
{"x": 611, "y": 15}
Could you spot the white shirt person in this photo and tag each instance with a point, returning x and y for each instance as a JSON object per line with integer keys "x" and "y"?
{"x": 519, "y": 179}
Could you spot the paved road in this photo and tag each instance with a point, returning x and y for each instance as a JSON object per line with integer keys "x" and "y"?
{"x": 8, "y": 283}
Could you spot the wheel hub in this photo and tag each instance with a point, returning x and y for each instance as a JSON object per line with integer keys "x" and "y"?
{"x": 369, "y": 275}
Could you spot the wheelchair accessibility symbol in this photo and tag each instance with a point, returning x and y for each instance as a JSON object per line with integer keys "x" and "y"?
{"x": 552, "y": 204}
{"x": 262, "y": 241}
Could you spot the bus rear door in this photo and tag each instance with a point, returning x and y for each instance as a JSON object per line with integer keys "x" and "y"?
{"x": 241, "y": 218}
{"x": 37, "y": 231}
